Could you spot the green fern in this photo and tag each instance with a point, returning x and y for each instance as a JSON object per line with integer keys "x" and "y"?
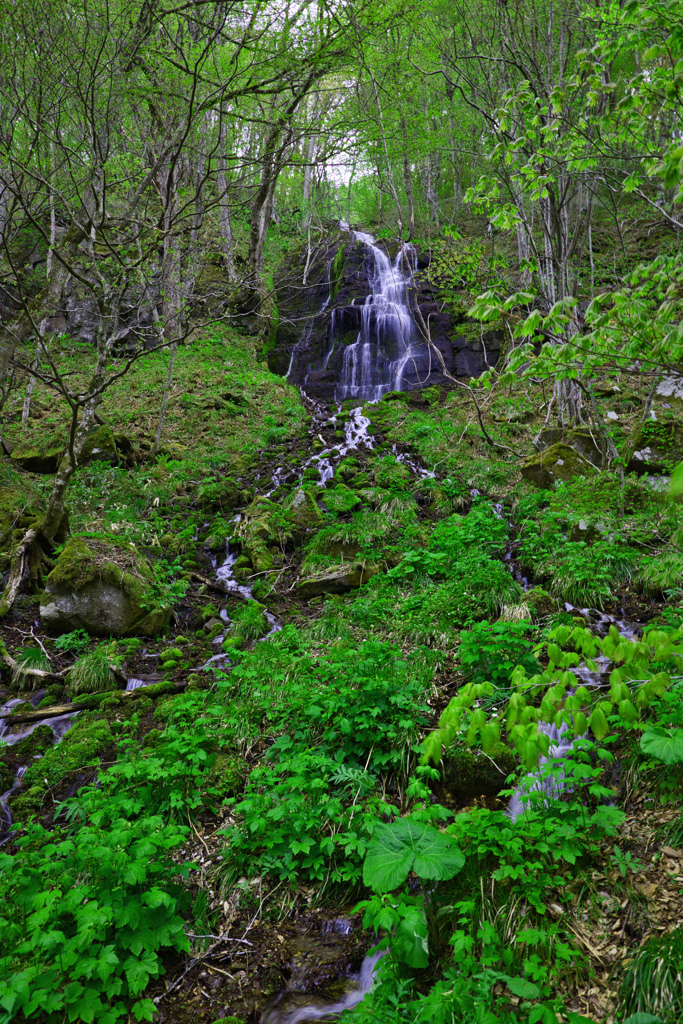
{"x": 661, "y": 574}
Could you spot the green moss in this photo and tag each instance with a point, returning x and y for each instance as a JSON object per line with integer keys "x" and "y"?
{"x": 40, "y": 740}
{"x": 391, "y": 473}
{"x": 337, "y": 268}
{"x": 92, "y": 557}
{"x": 100, "y": 445}
{"x": 84, "y": 742}
{"x": 21, "y": 507}
{"x": 228, "y": 774}
{"x": 341, "y": 499}
{"x": 559, "y": 462}
{"x": 171, "y": 653}
{"x": 471, "y": 773}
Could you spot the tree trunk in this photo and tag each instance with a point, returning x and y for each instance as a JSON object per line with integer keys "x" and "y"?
{"x": 408, "y": 183}
{"x": 226, "y": 222}
{"x": 13, "y": 333}
{"x": 164, "y": 404}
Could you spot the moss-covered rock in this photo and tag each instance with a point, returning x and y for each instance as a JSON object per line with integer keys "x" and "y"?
{"x": 657, "y": 447}
{"x": 257, "y": 531}
{"x": 540, "y": 602}
{"x": 559, "y": 462}
{"x": 81, "y": 745}
{"x": 581, "y": 439}
{"x": 100, "y": 446}
{"x": 471, "y": 773}
{"x": 391, "y": 473}
{"x": 338, "y": 579}
{"x": 301, "y": 512}
{"x": 341, "y": 499}
{"x": 38, "y": 457}
{"x": 104, "y": 585}
{"x": 228, "y": 774}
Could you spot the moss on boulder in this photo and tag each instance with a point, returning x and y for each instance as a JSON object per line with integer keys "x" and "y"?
{"x": 341, "y": 499}
{"x": 471, "y": 773}
{"x": 302, "y": 512}
{"x": 38, "y": 457}
{"x": 257, "y": 531}
{"x": 100, "y": 446}
{"x": 338, "y": 579}
{"x": 104, "y": 585}
{"x": 559, "y": 462}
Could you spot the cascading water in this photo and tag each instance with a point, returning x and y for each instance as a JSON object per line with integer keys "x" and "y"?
{"x": 375, "y": 362}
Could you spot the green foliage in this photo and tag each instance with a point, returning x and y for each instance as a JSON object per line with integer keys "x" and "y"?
{"x": 93, "y": 672}
{"x": 652, "y": 982}
{"x": 169, "y": 585}
{"x": 345, "y": 730}
{"x": 583, "y": 574}
{"x": 543, "y": 696}
{"x": 96, "y": 902}
{"x": 75, "y": 642}
{"x": 248, "y": 623}
{"x": 490, "y": 652}
{"x": 665, "y": 745}
{"x": 406, "y": 846}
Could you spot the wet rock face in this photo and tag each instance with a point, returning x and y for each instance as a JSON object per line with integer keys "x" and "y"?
{"x": 320, "y": 324}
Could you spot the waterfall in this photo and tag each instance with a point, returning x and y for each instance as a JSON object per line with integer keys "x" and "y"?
{"x": 375, "y": 362}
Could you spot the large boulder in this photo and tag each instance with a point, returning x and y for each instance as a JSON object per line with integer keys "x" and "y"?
{"x": 580, "y": 438}
{"x": 105, "y": 586}
{"x": 559, "y": 462}
{"x": 257, "y": 533}
{"x": 339, "y": 579}
{"x": 302, "y": 512}
{"x": 38, "y": 456}
{"x": 467, "y": 774}
{"x": 657, "y": 447}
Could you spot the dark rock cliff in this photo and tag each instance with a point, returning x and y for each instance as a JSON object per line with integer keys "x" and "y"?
{"x": 317, "y": 324}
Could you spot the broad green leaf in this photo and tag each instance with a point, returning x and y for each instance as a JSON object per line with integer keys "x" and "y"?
{"x": 408, "y": 845}
{"x": 522, "y": 988}
{"x": 676, "y": 483}
{"x": 663, "y": 744}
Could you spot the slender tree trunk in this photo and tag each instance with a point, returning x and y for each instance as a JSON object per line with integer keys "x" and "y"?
{"x": 16, "y": 330}
{"x": 408, "y": 183}
{"x": 226, "y": 222}
{"x": 164, "y": 403}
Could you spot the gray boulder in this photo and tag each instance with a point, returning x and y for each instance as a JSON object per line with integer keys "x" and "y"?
{"x": 105, "y": 586}
{"x": 559, "y": 462}
{"x": 337, "y": 580}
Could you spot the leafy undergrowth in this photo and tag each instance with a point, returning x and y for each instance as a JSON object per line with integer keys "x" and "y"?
{"x": 286, "y": 776}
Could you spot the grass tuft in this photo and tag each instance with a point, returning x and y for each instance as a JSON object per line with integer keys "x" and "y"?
{"x": 653, "y": 982}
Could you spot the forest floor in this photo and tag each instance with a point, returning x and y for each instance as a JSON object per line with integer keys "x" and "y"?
{"x": 311, "y": 735}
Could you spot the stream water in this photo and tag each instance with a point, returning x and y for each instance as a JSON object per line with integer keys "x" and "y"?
{"x": 12, "y": 733}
